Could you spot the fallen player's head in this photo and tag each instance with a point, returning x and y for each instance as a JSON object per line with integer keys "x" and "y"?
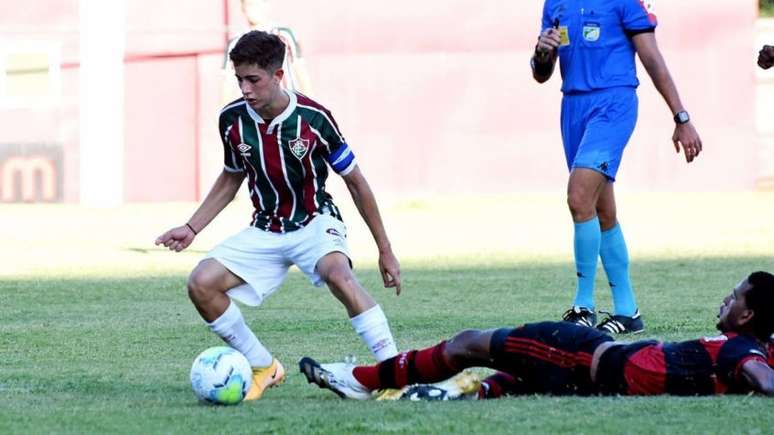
{"x": 749, "y": 309}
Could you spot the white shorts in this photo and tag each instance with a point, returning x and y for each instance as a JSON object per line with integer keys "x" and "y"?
{"x": 262, "y": 258}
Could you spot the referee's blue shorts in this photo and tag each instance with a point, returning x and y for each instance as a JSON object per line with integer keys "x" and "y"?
{"x": 596, "y": 126}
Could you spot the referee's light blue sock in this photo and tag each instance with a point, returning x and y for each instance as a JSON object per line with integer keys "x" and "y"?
{"x": 588, "y": 237}
{"x": 615, "y": 259}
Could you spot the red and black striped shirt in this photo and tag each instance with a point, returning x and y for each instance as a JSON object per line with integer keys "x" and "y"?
{"x": 710, "y": 365}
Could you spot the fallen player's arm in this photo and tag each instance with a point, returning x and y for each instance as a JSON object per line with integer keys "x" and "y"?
{"x": 759, "y": 376}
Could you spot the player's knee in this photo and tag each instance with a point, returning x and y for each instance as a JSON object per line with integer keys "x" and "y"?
{"x": 340, "y": 280}
{"x": 200, "y": 286}
{"x": 607, "y": 218}
{"x": 463, "y": 347}
{"x": 580, "y": 205}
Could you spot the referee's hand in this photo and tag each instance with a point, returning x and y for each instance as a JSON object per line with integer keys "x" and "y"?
{"x": 685, "y": 135}
{"x": 548, "y": 41}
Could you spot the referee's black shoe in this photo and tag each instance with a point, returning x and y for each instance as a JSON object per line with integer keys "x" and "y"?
{"x": 622, "y": 324}
{"x": 580, "y": 316}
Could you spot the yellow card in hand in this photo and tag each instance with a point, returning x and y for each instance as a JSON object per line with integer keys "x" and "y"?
{"x": 564, "y": 36}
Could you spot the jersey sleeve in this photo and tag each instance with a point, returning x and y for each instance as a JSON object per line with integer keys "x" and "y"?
{"x": 637, "y": 16}
{"x": 732, "y": 356}
{"x": 547, "y": 22}
{"x": 230, "y": 134}
{"x": 338, "y": 154}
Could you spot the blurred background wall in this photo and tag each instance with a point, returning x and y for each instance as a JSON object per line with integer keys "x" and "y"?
{"x": 436, "y": 96}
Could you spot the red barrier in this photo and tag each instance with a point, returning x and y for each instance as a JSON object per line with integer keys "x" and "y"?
{"x": 435, "y": 96}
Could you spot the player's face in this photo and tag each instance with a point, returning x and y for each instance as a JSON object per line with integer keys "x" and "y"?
{"x": 259, "y": 87}
{"x": 733, "y": 310}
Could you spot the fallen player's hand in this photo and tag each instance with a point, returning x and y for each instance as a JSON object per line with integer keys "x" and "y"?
{"x": 390, "y": 269}
{"x": 685, "y": 135}
{"x": 177, "y": 238}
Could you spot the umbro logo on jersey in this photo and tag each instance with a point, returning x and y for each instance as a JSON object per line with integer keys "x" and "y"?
{"x": 244, "y": 148}
{"x": 299, "y": 147}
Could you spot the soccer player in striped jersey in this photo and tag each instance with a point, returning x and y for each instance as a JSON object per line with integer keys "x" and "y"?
{"x": 284, "y": 144}
{"x": 564, "y": 358}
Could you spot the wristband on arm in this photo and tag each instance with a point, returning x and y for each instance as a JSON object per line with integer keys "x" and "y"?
{"x": 191, "y": 228}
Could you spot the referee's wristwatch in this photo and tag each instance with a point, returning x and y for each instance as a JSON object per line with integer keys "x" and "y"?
{"x": 682, "y": 117}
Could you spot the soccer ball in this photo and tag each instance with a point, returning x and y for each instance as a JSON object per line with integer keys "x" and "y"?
{"x": 221, "y": 375}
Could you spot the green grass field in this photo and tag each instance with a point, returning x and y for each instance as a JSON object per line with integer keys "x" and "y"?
{"x": 97, "y": 334}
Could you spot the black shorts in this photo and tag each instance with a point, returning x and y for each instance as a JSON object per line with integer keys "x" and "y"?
{"x": 547, "y": 357}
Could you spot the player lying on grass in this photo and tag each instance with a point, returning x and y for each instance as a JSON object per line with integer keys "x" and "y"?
{"x": 562, "y": 358}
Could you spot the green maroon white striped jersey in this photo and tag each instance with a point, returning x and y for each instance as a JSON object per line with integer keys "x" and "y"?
{"x": 286, "y": 160}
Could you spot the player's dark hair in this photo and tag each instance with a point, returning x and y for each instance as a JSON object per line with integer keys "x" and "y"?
{"x": 760, "y": 299}
{"x": 259, "y": 48}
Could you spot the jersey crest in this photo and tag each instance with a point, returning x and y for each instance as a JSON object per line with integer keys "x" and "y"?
{"x": 299, "y": 147}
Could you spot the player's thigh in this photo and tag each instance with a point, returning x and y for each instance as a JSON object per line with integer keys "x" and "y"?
{"x": 572, "y": 126}
{"x": 608, "y": 132}
{"x": 551, "y": 357}
{"x": 258, "y": 259}
{"x": 320, "y": 250}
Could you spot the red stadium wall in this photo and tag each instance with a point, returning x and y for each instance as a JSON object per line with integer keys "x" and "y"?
{"x": 435, "y": 96}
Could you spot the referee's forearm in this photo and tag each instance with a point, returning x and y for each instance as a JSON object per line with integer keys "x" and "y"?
{"x": 542, "y": 69}
{"x": 664, "y": 84}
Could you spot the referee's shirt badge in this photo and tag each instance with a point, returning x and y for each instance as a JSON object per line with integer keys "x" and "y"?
{"x": 591, "y": 32}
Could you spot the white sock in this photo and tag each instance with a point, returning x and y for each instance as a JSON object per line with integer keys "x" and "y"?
{"x": 371, "y": 325}
{"x": 231, "y": 327}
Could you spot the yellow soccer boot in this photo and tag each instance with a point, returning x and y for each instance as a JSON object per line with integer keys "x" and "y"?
{"x": 265, "y": 377}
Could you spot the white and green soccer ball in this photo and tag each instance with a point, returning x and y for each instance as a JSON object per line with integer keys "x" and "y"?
{"x": 221, "y": 375}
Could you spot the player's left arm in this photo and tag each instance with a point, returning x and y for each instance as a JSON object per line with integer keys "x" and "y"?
{"x": 685, "y": 135}
{"x": 364, "y": 199}
{"x": 759, "y": 376}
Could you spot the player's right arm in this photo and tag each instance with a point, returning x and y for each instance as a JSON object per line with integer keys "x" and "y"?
{"x": 546, "y": 52}
{"x": 222, "y": 193}
{"x": 759, "y": 376}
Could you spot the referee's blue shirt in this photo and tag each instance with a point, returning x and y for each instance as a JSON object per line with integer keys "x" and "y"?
{"x": 600, "y": 53}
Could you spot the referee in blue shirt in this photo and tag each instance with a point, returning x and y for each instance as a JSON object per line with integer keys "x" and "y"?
{"x": 595, "y": 42}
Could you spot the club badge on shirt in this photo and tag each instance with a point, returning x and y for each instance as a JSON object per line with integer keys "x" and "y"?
{"x": 591, "y": 31}
{"x": 299, "y": 147}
